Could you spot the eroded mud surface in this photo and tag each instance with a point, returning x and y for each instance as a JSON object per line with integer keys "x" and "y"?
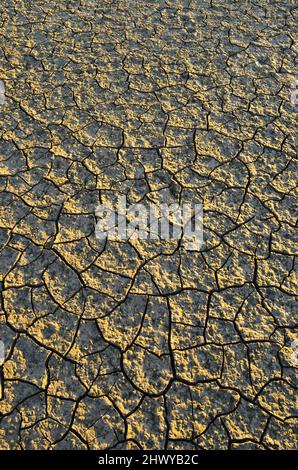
{"x": 144, "y": 344}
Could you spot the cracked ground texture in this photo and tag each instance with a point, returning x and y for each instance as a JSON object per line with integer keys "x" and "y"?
{"x": 143, "y": 344}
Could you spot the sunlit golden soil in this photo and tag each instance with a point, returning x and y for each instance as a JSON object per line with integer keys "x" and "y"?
{"x": 142, "y": 343}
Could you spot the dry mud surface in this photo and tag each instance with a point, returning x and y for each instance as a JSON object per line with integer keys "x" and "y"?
{"x": 138, "y": 344}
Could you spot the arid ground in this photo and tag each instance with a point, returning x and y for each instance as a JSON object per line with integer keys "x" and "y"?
{"x": 143, "y": 344}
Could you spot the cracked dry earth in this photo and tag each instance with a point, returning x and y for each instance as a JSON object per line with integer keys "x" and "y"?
{"x": 143, "y": 344}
